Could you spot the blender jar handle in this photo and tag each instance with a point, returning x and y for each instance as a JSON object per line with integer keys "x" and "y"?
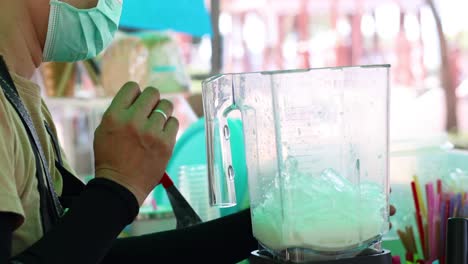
{"x": 218, "y": 100}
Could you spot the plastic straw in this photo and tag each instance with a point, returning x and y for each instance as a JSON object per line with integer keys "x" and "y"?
{"x": 465, "y": 205}
{"x": 409, "y": 257}
{"x": 439, "y": 186}
{"x": 410, "y": 233}
{"x": 456, "y": 205}
{"x": 437, "y": 252}
{"x": 408, "y": 240}
{"x": 452, "y": 205}
{"x": 442, "y": 229}
{"x": 436, "y": 226}
{"x": 459, "y": 204}
{"x": 436, "y": 222}
{"x": 396, "y": 260}
{"x": 465, "y": 210}
{"x": 404, "y": 240}
{"x": 419, "y": 195}
{"x": 427, "y": 252}
{"x": 418, "y": 218}
{"x": 430, "y": 220}
{"x": 446, "y": 216}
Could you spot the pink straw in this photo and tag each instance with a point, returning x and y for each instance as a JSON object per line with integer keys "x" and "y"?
{"x": 396, "y": 260}
{"x": 431, "y": 220}
{"x": 437, "y": 223}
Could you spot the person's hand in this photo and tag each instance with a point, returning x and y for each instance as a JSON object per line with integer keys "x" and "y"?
{"x": 134, "y": 143}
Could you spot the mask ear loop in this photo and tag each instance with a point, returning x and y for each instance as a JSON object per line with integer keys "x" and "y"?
{"x": 50, "y": 37}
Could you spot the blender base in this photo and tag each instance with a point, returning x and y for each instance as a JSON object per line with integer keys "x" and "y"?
{"x": 384, "y": 257}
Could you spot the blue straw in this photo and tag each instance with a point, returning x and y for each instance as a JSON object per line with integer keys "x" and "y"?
{"x": 459, "y": 204}
{"x": 465, "y": 210}
{"x": 453, "y": 200}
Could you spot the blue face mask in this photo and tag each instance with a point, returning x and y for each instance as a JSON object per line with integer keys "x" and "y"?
{"x": 76, "y": 34}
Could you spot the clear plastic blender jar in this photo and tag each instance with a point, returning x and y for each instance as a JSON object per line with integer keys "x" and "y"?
{"x": 316, "y": 144}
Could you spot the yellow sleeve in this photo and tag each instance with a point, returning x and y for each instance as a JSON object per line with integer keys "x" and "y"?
{"x": 10, "y": 200}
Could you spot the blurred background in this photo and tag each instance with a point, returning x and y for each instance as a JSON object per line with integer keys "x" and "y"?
{"x": 174, "y": 45}
{"x": 426, "y": 42}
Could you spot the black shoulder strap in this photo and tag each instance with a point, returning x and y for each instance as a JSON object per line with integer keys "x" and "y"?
{"x": 58, "y": 153}
{"x": 51, "y": 209}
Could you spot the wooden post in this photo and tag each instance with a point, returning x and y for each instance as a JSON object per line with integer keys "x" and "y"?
{"x": 423, "y": 71}
{"x": 403, "y": 72}
{"x": 216, "y": 45}
{"x": 448, "y": 83}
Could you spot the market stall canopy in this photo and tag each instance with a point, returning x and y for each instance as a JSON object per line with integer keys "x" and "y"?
{"x": 187, "y": 16}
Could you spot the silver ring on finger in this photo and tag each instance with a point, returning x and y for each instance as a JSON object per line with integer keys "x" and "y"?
{"x": 161, "y": 112}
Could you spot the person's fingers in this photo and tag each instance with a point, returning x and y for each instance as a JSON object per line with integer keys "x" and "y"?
{"x": 392, "y": 210}
{"x": 166, "y": 106}
{"x": 160, "y": 115}
{"x": 171, "y": 129}
{"x": 145, "y": 103}
{"x": 125, "y": 97}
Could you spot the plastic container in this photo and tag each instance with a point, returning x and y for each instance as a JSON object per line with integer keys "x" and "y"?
{"x": 429, "y": 158}
{"x": 193, "y": 184}
{"x": 316, "y": 145}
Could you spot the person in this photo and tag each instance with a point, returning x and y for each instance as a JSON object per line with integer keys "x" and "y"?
{"x": 132, "y": 147}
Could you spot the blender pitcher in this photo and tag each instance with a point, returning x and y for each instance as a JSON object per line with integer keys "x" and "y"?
{"x": 316, "y": 144}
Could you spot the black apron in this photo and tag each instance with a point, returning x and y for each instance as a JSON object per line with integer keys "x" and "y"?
{"x": 51, "y": 206}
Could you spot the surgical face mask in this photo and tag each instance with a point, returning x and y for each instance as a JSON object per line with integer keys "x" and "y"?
{"x": 76, "y": 34}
